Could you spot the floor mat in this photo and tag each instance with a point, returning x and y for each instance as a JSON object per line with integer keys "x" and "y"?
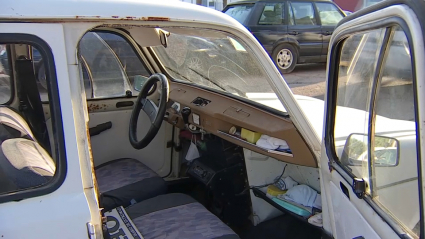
{"x": 282, "y": 227}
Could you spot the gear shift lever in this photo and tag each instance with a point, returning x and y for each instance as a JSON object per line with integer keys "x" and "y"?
{"x": 185, "y": 114}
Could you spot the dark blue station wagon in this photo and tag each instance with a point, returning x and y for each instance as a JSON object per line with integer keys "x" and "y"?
{"x": 292, "y": 32}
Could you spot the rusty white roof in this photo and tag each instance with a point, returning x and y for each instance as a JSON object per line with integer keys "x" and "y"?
{"x": 129, "y": 10}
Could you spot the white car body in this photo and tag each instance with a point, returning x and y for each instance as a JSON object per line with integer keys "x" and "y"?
{"x": 72, "y": 210}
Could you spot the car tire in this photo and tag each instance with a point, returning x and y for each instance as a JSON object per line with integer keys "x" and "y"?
{"x": 285, "y": 57}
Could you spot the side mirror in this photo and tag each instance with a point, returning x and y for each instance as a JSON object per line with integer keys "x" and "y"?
{"x": 139, "y": 81}
{"x": 386, "y": 152}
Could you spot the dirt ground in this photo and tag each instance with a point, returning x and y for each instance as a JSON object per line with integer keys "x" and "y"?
{"x": 308, "y": 80}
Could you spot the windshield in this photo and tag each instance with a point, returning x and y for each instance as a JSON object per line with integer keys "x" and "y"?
{"x": 219, "y": 61}
{"x": 239, "y": 12}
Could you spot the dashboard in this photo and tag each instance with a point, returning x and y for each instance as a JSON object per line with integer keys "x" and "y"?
{"x": 220, "y": 115}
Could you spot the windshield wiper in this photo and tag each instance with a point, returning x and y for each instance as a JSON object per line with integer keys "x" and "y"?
{"x": 177, "y": 73}
{"x": 216, "y": 84}
{"x": 208, "y": 79}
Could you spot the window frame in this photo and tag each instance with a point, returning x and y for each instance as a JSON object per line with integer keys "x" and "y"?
{"x": 290, "y": 13}
{"x": 11, "y": 77}
{"x": 332, "y": 86}
{"x": 56, "y": 116}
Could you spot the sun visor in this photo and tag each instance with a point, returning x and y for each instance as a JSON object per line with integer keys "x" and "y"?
{"x": 195, "y": 32}
{"x": 145, "y": 37}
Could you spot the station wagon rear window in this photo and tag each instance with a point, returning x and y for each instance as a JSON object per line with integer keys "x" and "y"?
{"x": 239, "y": 12}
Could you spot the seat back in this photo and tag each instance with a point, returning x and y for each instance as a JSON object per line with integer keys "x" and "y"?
{"x": 12, "y": 125}
{"x": 23, "y": 162}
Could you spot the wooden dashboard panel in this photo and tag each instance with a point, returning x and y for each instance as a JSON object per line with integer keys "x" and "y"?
{"x": 223, "y": 112}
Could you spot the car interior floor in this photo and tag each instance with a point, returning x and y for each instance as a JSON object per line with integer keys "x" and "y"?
{"x": 218, "y": 180}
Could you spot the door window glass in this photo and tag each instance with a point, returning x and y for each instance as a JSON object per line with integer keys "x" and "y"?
{"x": 5, "y": 82}
{"x": 239, "y": 12}
{"x": 394, "y": 162}
{"x": 329, "y": 14}
{"x": 272, "y": 14}
{"x": 110, "y": 66}
{"x": 357, "y": 68}
{"x": 303, "y": 13}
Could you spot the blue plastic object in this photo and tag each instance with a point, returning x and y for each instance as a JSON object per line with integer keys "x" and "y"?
{"x": 291, "y": 207}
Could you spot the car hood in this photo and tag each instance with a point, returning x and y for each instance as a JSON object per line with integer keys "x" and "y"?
{"x": 314, "y": 111}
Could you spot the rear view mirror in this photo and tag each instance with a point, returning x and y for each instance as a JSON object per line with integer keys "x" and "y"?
{"x": 386, "y": 151}
{"x": 163, "y": 35}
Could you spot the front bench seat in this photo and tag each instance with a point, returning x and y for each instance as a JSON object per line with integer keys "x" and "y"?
{"x": 177, "y": 215}
{"x": 123, "y": 182}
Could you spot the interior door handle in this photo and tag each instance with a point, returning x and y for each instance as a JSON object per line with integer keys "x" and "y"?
{"x": 327, "y": 33}
{"x": 294, "y": 33}
{"x": 100, "y": 128}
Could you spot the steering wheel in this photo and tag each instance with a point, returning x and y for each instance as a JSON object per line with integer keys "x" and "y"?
{"x": 155, "y": 114}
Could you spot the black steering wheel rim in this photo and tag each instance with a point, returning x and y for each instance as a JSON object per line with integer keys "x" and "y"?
{"x": 155, "y": 114}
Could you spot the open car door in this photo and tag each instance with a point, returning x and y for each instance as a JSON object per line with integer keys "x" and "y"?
{"x": 58, "y": 200}
{"x": 371, "y": 151}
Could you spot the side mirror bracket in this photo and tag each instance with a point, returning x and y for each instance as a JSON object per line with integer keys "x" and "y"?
{"x": 359, "y": 187}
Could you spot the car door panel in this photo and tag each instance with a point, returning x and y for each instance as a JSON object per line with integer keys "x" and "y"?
{"x": 305, "y": 30}
{"x": 269, "y": 30}
{"x": 347, "y": 218}
{"x": 384, "y": 207}
{"x": 114, "y": 143}
{"x": 70, "y": 204}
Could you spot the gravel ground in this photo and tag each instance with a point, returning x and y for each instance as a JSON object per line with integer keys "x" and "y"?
{"x": 308, "y": 80}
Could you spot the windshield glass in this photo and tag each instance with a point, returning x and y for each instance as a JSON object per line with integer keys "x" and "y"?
{"x": 219, "y": 61}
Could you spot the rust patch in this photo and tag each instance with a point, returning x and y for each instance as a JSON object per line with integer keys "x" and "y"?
{"x": 162, "y": 19}
{"x": 96, "y": 107}
{"x": 78, "y": 17}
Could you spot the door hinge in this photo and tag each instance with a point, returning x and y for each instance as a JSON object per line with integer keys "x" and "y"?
{"x": 359, "y": 187}
{"x": 90, "y": 230}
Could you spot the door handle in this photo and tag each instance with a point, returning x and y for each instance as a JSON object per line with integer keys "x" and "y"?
{"x": 124, "y": 104}
{"x": 327, "y": 33}
{"x": 294, "y": 33}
